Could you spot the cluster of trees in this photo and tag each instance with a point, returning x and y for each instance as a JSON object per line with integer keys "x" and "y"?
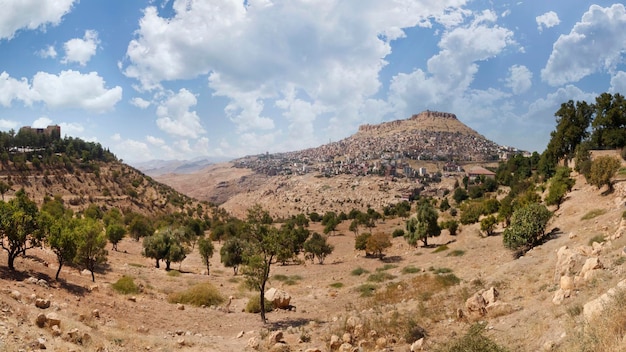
{"x": 48, "y": 149}
{"x": 77, "y": 240}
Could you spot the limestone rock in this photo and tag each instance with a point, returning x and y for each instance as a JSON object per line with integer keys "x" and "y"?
{"x": 180, "y": 306}
{"x": 314, "y": 349}
{"x": 345, "y": 347}
{"x": 41, "y": 343}
{"x": 498, "y": 309}
{"x": 16, "y": 295}
{"x": 56, "y": 331}
{"x": 347, "y": 338}
{"x": 53, "y": 319}
{"x": 95, "y": 313}
{"x": 590, "y": 265}
{"x": 476, "y": 304}
{"x": 275, "y": 337}
{"x": 560, "y": 295}
{"x": 279, "y": 298}
{"x": 253, "y": 343}
{"x": 280, "y": 347}
{"x": 566, "y": 283}
{"x": 335, "y": 342}
{"x": 41, "y": 320}
{"x": 240, "y": 334}
{"x": 42, "y": 303}
{"x": 567, "y": 262}
{"x": 491, "y": 295}
{"x": 417, "y": 345}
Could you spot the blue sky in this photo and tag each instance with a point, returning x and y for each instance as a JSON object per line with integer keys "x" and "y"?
{"x": 183, "y": 79}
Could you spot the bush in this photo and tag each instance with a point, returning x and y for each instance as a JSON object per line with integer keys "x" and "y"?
{"x": 360, "y": 242}
{"x": 366, "y": 290}
{"x": 202, "y": 294}
{"x": 596, "y": 238}
{"x": 359, "y": 271}
{"x": 380, "y": 277}
{"x": 527, "y": 227}
{"x": 397, "y": 233}
{"x": 472, "y": 341}
{"x": 254, "y": 305}
{"x": 410, "y": 269}
{"x": 125, "y": 285}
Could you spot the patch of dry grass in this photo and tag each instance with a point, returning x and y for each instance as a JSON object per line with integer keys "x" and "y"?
{"x": 202, "y": 294}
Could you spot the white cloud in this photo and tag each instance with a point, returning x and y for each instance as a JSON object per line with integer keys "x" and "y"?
{"x": 42, "y": 122}
{"x": 450, "y": 73}
{"x": 6, "y": 125}
{"x": 48, "y": 52}
{"x": 131, "y": 150}
{"x": 140, "y": 103}
{"x": 31, "y": 14}
{"x": 12, "y": 89}
{"x": 71, "y": 129}
{"x": 618, "y": 83}
{"x": 155, "y": 141}
{"x": 81, "y": 50}
{"x": 547, "y": 20}
{"x": 596, "y": 43}
{"x": 175, "y": 118}
{"x": 520, "y": 79}
{"x": 330, "y": 53}
{"x": 72, "y": 89}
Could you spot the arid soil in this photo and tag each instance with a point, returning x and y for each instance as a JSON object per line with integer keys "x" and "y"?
{"x": 146, "y": 321}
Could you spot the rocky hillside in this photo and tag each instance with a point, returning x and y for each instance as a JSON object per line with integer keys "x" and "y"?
{"x": 104, "y": 183}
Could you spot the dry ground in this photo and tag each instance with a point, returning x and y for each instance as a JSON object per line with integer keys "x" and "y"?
{"x": 149, "y": 323}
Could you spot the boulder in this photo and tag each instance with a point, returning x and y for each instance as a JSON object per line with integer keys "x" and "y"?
{"x": 253, "y": 343}
{"x": 280, "y": 347}
{"x": 275, "y": 337}
{"x": 41, "y": 320}
{"x": 345, "y": 347}
{"x": 417, "y": 345}
{"x": 566, "y": 283}
{"x": 53, "y": 319}
{"x": 314, "y": 349}
{"x": 476, "y": 304}
{"x": 498, "y": 309}
{"x": 560, "y": 295}
{"x": 42, "y": 303}
{"x": 347, "y": 338}
{"x": 335, "y": 342}
{"x": 16, "y": 295}
{"x": 279, "y": 298}
{"x": 567, "y": 262}
{"x": 491, "y": 295}
{"x": 590, "y": 265}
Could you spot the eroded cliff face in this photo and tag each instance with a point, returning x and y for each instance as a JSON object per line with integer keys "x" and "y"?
{"x": 434, "y": 121}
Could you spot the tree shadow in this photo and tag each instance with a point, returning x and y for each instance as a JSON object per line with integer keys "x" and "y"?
{"x": 391, "y": 259}
{"x": 15, "y": 275}
{"x": 74, "y": 289}
{"x": 285, "y": 323}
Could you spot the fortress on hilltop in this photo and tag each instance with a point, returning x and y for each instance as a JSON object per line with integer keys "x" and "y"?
{"x": 431, "y": 116}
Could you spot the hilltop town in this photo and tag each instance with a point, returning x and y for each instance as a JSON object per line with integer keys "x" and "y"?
{"x": 389, "y": 149}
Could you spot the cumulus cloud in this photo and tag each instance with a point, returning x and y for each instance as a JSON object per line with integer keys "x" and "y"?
{"x": 140, "y": 103}
{"x": 8, "y": 124}
{"x": 155, "y": 141}
{"x": 12, "y": 89}
{"x": 175, "y": 117}
{"x": 130, "y": 150}
{"x": 596, "y": 43}
{"x": 71, "y": 128}
{"x": 69, "y": 89}
{"x": 31, "y": 14}
{"x": 81, "y": 50}
{"x": 519, "y": 79}
{"x": 48, "y": 52}
{"x": 72, "y": 89}
{"x": 618, "y": 83}
{"x": 547, "y": 20}
{"x": 256, "y": 52}
{"x": 42, "y": 122}
{"x": 450, "y": 72}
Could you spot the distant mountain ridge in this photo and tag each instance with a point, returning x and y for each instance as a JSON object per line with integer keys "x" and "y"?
{"x": 162, "y": 167}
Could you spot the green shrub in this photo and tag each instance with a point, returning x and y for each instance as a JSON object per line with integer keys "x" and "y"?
{"x": 366, "y": 290}
{"x": 472, "y": 341}
{"x": 202, "y": 294}
{"x": 593, "y": 213}
{"x": 336, "y": 285}
{"x": 410, "y": 269}
{"x": 125, "y": 285}
{"x": 456, "y": 253}
{"x": 596, "y": 238}
{"x": 173, "y": 273}
{"x": 447, "y": 280}
{"x": 254, "y": 305}
{"x": 359, "y": 271}
{"x": 386, "y": 267}
{"x": 397, "y": 233}
{"x": 380, "y": 277}
{"x": 440, "y": 270}
{"x": 413, "y": 331}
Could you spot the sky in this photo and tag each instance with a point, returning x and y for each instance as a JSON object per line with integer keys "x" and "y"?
{"x": 188, "y": 79}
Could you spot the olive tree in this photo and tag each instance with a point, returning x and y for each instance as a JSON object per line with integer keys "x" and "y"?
{"x": 602, "y": 170}
{"x": 205, "y": 247}
{"x": 91, "y": 243}
{"x": 19, "y": 230}
{"x": 318, "y": 246}
{"x": 528, "y": 225}
{"x": 378, "y": 244}
{"x": 422, "y": 225}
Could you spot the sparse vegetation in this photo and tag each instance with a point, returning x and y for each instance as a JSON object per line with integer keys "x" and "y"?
{"x": 254, "y": 305}
{"x": 380, "y": 276}
{"x": 366, "y": 290}
{"x": 473, "y": 341}
{"x": 456, "y": 253}
{"x": 202, "y": 294}
{"x": 125, "y": 285}
{"x": 359, "y": 271}
{"x": 410, "y": 269}
{"x": 593, "y": 214}
{"x": 441, "y": 248}
{"x": 336, "y": 285}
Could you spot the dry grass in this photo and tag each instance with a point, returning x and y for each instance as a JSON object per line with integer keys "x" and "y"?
{"x": 605, "y": 333}
{"x": 202, "y": 294}
{"x": 593, "y": 214}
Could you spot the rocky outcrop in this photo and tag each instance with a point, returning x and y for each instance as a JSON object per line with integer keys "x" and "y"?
{"x": 574, "y": 267}
{"x": 594, "y": 308}
{"x": 279, "y": 298}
